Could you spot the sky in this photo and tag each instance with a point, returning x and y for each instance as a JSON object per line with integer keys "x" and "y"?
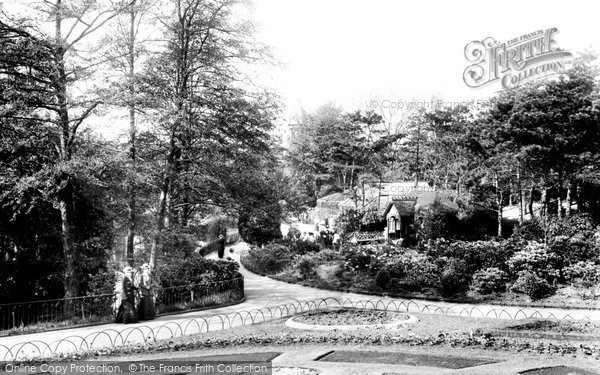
{"x": 349, "y": 52}
{"x": 368, "y": 54}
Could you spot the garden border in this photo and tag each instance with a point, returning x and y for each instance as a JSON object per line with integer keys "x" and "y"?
{"x": 423, "y": 298}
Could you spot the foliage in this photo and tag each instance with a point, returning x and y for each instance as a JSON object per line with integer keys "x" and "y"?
{"x": 271, "y": 259}
{"x": 454, "y": 276}
{"x": 306, "y": 266}
{"x": 532, "y": 285}
{"x": 302, "y": 247}
{"x": 195, "y": 270}
{"x": 476, "y": 254}
{"x": 419, "y": 270}
{"x": 434, "y": 224}
{"x": 489, "y": 280}
{"x": 536, "y": 259}
{"x": 584, "y": 273}
{"x": 260, "y": 227}
{"x": 216, "y": 228}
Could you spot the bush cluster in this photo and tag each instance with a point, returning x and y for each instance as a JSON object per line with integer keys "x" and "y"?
{"x": 194, "y": 270}
{"x": 489, "y": 280}
{"x": 270, "y": 259}
{"x": 583, "y": 274}
{"x": 532, "y": 285}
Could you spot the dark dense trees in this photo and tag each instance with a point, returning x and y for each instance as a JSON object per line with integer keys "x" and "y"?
{"x": 197, "y": 141}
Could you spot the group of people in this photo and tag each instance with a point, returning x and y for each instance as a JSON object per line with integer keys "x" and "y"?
{"x": 136, "y": 300}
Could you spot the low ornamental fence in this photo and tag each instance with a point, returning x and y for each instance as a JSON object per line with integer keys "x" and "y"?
{"x": 70, "y": 312}
{"x": 150, "y": 332}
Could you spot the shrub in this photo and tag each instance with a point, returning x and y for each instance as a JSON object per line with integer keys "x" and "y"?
{"x": 194, "y": 270}
{"x": 306, "y": 266}
{"x": 454, "y": 277}
{"x": 271, "y": 259}
{"x": 433, "y": 224}
{"x": 382, "y": 279}
{"x": 476, "y": 254}
{"x": 535, "y": 258}
{"x": 532, "y": 285}
{"x": 303, "y": 247}
{"x": 419, "y": 270}
{"x": 584, "y": 274}
{"x": 260, "y": 227}
{"x": 489, "y": 280}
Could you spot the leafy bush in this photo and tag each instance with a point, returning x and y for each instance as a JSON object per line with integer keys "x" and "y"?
{"x": 194, "y": 270}
{"x": 259, "y": 227}
{"x": 357, "y": 220}
{"x": 454, "y": 277}
{"x": 367, "y": 257}
{"x": 303, "y": 247}
{"x": 584, "y": 274}
{"x": 476, "y": 254}
{"x": 383, "y": 278}
{"x": 532, "y": 285}
{"x": 271, "y": 259}
{"x": 489, "y": 280}
{"x": 306, "y": 266}
{"x": 419, "y": 270}
{"x": 535, "y": 258}
{"x": 433, "y": 224}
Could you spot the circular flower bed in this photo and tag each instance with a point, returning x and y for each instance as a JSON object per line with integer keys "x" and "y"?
{"x": 348, "y": 319}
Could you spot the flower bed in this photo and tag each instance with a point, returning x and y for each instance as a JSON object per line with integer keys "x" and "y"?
{"x": 348, "y": 319}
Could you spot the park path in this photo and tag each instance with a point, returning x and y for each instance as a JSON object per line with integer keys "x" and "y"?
{"x": 261, "y": 292}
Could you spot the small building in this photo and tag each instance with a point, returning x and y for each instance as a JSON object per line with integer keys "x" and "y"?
{"x": 400, "y": 211}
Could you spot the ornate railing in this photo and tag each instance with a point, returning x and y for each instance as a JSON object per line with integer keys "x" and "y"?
{"x": 147, "y": 333}
{"x": 70, "y": 312}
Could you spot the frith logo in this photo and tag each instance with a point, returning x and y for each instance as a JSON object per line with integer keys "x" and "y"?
{"x": 521, "y": 59}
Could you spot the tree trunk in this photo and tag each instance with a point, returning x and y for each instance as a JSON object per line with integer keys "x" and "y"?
{"x": 65, "y": 200}
{"x": 531, "y": 192}
{"x": 569, "y": 200}
{"x": 520, "y": 197}
{"x": 498, "y": 203}
{"x": 65, "y": 194}
{"x": 544, "y": 202}
{"x": 131, "y": 219}
{"x": 161, "y": 214}
{"x": 559, "y": 196}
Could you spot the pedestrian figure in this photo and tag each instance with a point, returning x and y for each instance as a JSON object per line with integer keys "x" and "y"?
{"x": 145, "y": 308}
{"x": 126, "y": 313}
{"x": 221, "y": 246}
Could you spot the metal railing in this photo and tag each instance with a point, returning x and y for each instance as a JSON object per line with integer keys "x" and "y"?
{"x": 43, "y": 315}
{"x": 151, "y": 332}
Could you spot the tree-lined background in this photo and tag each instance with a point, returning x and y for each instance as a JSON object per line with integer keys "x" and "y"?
{"x": 76, "y": 203}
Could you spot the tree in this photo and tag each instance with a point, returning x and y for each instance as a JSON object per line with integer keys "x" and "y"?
{"x": 40, "y": 76}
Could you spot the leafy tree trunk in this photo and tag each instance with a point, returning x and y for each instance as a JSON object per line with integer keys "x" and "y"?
{"x": 544, "y": 201}
{"x": 559, "y": 196}
{"x": 498, "y": 203}
{"x": 65, "y": 194}
{"x": 569, "y": 200}
{"x": 161, "y": 215}
{"x": 531, "y": 193}
{"x": 131, "y": 219}
{"x": 520, "y": 197}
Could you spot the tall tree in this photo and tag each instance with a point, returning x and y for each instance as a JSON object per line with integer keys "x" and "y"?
{"x": 65, "y": 66}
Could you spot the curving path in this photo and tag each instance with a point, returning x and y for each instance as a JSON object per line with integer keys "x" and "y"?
{"x": 265, "y": 299}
